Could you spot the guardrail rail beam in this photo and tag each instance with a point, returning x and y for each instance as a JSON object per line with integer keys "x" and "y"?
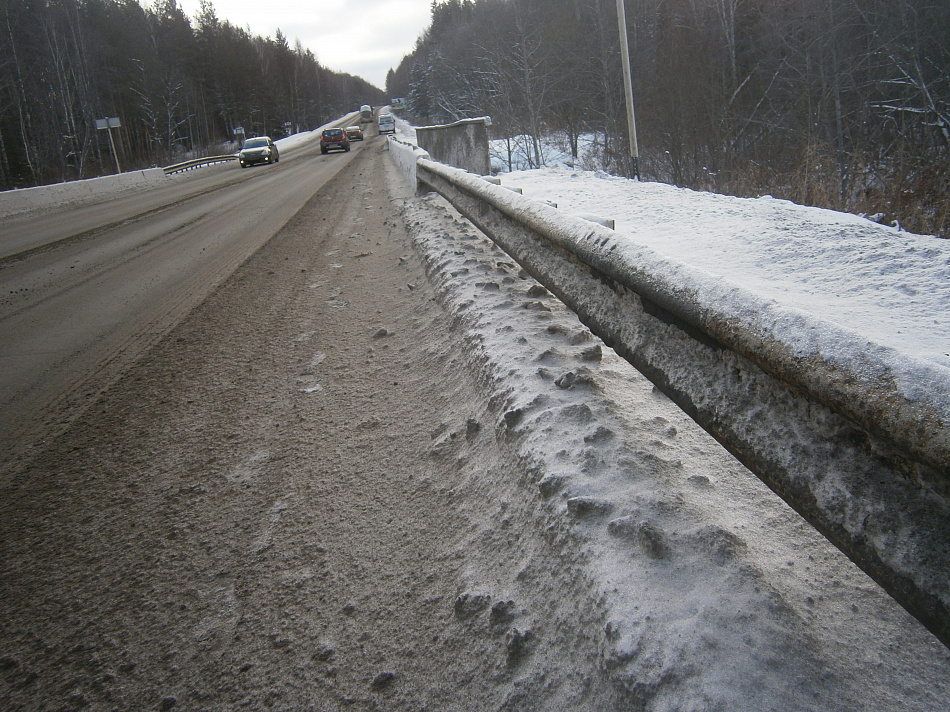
{"x": 854, "y": 436}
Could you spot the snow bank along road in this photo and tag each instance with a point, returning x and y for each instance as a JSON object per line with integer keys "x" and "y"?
{"x": 373, "y": 466}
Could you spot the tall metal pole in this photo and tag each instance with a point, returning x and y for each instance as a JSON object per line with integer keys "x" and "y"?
{"x": 628, "y": 89}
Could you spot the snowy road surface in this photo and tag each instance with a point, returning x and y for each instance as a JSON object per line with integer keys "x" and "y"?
{"x": 379, "y": 468}
{"x": 88, "y": 286}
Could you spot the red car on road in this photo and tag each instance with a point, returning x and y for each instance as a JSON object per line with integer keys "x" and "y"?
{"x": 334, "y": 138}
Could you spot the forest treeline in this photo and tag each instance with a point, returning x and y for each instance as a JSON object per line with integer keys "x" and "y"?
{"x": 835, "y": 103}
{"x": 179, "y": 87}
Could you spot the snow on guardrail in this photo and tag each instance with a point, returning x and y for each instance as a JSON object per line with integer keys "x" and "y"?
{"x": 405, "y": 155}
{"x": 853, "y": 435}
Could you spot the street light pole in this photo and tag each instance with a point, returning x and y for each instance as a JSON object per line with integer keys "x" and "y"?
{"x": 628, "y": 89}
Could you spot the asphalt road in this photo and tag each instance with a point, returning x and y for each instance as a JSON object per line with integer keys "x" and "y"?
{"x": 84, "y": 289}
{"x": 270, "y": 507}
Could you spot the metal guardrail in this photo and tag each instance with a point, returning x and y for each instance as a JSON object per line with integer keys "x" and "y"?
{"x": 197, "y": 163}
{"x": 853, "y": 435}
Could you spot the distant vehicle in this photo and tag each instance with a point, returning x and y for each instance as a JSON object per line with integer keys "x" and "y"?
{"x": 354, "y": 133}
{"x": 387, "y": 124}
{"x": 334, "y": 138}
{"x": 259, "y": 149}
{"x": 366, "y": 113}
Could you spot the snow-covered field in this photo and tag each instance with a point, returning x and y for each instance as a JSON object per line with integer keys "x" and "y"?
{"x": 719, "y": 596}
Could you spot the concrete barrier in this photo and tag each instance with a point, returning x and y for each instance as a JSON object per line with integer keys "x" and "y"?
{"x": 463, "y": 144}
{"x": 853, "y": 435}
{"x": 26, "y": 199}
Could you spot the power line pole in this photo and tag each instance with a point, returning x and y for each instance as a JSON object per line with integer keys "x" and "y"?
{"x": 628, "y": 89}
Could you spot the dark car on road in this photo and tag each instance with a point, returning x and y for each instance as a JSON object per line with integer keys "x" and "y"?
{"x": 334, "y": 138}
{"x": 259, "y": 149}
{"x": 354, "y": 133}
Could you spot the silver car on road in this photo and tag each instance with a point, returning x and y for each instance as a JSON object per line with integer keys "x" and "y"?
{"x": 259, "y": 149}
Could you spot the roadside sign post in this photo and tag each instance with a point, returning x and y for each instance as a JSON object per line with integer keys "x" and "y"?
{"x": 108, "y": 124}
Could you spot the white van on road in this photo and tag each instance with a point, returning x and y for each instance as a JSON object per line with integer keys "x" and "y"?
{"x": 386, "y": 123}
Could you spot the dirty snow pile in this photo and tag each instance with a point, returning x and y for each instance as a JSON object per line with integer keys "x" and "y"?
{"x": 717, "y": 595}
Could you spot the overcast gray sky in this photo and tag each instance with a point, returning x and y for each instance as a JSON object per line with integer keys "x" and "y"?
{"x": 361, "y": 37}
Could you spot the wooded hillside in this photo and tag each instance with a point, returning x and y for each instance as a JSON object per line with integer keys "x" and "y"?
{"x": 179, "y": 86}
{"x": 836, "y": 103}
